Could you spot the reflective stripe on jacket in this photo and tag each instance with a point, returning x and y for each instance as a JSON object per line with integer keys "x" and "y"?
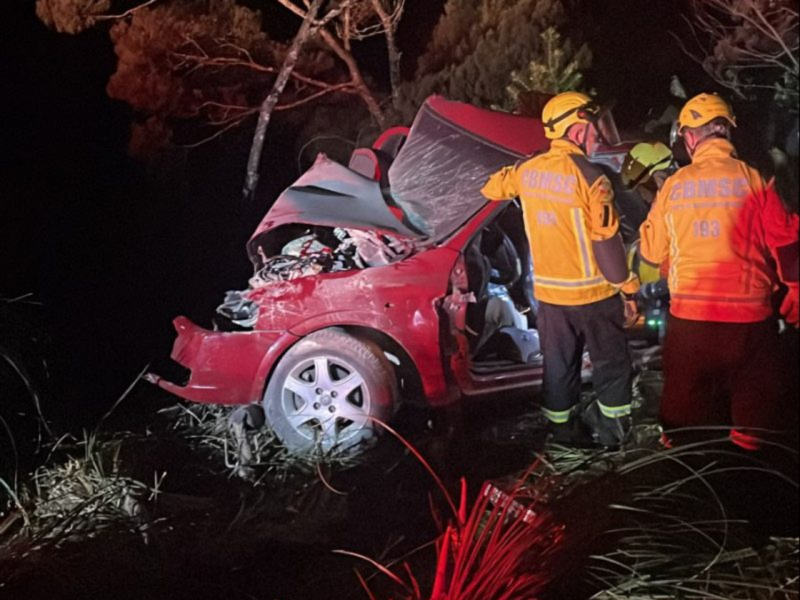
{"x": 567, "y": 204}
{"x": 718, "y": 223}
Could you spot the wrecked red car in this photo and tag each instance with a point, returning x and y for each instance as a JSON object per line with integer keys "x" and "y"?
{"x": 389, "y": 280}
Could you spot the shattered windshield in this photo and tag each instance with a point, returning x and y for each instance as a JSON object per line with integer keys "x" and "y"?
{"x": 438, "y": 175}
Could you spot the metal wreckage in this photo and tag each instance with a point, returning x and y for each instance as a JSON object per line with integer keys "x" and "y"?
{"x": 388, "y": 280}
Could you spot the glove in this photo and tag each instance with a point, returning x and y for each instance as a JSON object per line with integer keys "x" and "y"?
{"x": 631, "y": 311}
{"x": 630, "y": 286}
{"x": 790, "y": 309}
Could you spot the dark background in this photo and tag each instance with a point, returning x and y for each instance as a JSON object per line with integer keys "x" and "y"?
{"x": 114, "y": 253}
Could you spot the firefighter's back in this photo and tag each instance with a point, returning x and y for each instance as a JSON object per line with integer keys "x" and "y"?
{"x": 555, "y": 191}
{"x": 719, "y": 270}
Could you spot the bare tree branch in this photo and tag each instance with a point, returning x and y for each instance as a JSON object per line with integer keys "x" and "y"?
{"x": 357, "y": 77}
{"x": 344, "y": 87}
{"x": 294, "y": 8}
{"x": 126, "y": 14}
{"x": 241, "y": 112}
{"x": 216, "y": 134}
{"x": 778, "y": 37}
{"x": 220, "y": 61}
{"x": 389, "y": 23}
{"x": 746, "y": 40}
{"x": 265, "y": 113}
{"x": 346, "y": 56}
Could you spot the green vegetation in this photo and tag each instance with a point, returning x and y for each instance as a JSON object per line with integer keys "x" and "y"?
{"x": 559, "y": 69}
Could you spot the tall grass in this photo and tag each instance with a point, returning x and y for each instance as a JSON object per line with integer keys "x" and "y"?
{"x": 78, "y": 491}
{"x": 81, "y": 494}
{"x": 676, "y": 538}
{"x": 23, "y": 427}
{"x": 250, "y": 453}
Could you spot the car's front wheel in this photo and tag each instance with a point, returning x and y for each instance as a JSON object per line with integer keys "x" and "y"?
{"x": 329, "y": 392}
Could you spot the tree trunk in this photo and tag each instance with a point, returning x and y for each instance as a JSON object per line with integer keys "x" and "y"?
{"x": 265, "y": 113}
{"x": 394, "y": 67}
{"x": 389, "y": 31}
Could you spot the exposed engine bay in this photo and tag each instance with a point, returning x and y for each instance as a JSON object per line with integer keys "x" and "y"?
{"x": 316, "y": 251}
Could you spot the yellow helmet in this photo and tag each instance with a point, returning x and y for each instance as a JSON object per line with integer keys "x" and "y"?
{"x": 643, "y": 160}
{"x": 564, "y": 111}
{"x": 703, "y": 109}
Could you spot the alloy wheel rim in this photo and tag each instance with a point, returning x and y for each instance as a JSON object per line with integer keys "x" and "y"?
{"x": 326, "y": 401}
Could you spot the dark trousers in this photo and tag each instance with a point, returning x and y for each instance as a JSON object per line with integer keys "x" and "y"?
{"x": 564, "y": 332}
{"x": 725, "y": 374}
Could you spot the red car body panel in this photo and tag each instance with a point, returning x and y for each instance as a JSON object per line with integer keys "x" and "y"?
{"x": 224, "y": 365}
{"x": 401, "y": 301}
{"x": 521, "y": 135}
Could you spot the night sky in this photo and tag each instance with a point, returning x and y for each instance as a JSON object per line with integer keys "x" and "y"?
{"x": 114, "y": 256}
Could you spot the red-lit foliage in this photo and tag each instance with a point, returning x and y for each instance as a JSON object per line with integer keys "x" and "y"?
{"x": 494, "y": 551}
{"x": 197, "y": 69}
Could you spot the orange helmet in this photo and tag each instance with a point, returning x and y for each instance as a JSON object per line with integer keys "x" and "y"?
{"x": 703, "y": 109}
{"x": 564, "y": 111}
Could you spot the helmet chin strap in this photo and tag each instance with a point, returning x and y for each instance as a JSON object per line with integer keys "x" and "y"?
{"x": 584, "y": 145}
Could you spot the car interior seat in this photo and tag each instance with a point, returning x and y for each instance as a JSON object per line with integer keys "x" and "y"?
{"x": 491, "y": 260}
{"x": 506, "y": 267}
{"x": 512, "y": 225}
{"x": 500, "y": 336}
{"x": 365, "y": 162}
{"x": 375, "y": 163}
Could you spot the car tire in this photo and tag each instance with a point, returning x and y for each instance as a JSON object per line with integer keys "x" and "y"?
{"x": 328, "y": 394}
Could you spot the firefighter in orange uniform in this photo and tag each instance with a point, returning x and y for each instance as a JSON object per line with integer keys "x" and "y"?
{"x": 580, "y": 272}
{"x": 730, "y": 241}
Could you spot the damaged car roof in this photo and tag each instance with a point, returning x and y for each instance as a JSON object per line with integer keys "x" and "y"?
{"x": 436, "y": 179}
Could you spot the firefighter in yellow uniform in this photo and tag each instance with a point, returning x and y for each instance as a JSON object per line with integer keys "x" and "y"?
{"x": 580, "y": 269}
{"x": 730, "y": 242}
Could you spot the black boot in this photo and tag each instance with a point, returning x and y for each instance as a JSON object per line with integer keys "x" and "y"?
{"x": 606, "y": 432}
{"x": 572, "y": 435}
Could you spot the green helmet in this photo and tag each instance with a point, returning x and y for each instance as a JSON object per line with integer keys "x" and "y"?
{"x": 643, "y": 161}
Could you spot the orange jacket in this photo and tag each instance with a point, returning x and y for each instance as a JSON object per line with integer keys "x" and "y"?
{"x": 568, "y": 206}
{"x": 721, "y": 227}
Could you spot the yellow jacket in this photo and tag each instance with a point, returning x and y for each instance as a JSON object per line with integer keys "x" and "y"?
{"x": 720, "y": 225}
{"x": 571, "y": 221}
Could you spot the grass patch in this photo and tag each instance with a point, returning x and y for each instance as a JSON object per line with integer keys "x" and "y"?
{"x": 80, "y": 493}
{"x": 249, "y": 452}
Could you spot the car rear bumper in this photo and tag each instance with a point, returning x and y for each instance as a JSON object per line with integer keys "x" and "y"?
{"x": 225, "y": 367}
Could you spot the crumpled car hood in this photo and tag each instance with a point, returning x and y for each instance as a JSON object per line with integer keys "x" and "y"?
{"x": 331, "y": 195}
{"x": 436, "y": 179}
